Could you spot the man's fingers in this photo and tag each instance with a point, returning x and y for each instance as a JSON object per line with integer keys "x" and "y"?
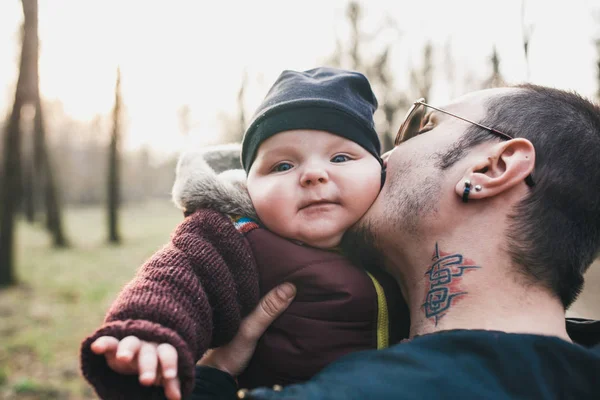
{"x": 128, "y": 348}
{"x": 234, "y": 356}
{"x": 167, "y": 356}
{"x": 172, "y": 389}
{"x": 147, "y": 363}
{"x": 269, "y": 308}
{"x": 105, "y": 344}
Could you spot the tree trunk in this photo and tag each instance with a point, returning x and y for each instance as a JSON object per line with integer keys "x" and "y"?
{"x": 27, "y": 192}
{"x": 44, "y": 166}
{"x": 28, "y": 205}
{"x": 12, "y": 155}
{"x": 12, "y": 150}
{"x": 113, "y": 169}
{"x": 43, "y": 177}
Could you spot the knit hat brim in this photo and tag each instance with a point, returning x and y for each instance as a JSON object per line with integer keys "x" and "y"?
{"x": 311, "y": 117}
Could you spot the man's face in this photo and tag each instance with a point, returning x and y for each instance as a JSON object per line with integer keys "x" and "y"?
{"x": 418, "y": 197}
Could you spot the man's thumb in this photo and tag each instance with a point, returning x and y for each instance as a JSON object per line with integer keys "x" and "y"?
{"x": 270, "y": 307}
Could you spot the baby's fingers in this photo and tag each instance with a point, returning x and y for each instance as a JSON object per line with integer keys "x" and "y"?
{"x": 172, "y": 389}
{"x": 167, "y": 355}
{"x": 128, "y": 348}
{"x": 147, "y": 363}
{"x": 105, "y": 344}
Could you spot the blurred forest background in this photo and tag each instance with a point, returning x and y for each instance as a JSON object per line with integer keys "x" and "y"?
{"x": 97, "y": 99}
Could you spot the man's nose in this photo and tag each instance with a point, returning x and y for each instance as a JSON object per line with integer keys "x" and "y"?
{"x": 313, "y": 176}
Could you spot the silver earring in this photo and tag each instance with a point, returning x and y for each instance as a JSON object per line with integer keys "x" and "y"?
{"x": 478, "y": 188}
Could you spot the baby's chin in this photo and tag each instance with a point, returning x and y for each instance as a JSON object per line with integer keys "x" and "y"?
{"x": 321, "y": 236}
{"x": 321, "y": 242}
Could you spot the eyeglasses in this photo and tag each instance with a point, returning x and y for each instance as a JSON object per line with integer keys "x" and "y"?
{"x": 414, "y": 118}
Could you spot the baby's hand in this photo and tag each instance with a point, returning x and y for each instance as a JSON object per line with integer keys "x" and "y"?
{"x": 132, "y": 356}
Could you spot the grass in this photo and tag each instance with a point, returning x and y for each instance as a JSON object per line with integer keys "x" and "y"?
{"x": 62, "y": 296}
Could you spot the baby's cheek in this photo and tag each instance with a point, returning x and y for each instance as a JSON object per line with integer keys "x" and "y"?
{"x": 272, "y": 211}
{"x": 366, "y": 197}
{"x": 264, "y": 212}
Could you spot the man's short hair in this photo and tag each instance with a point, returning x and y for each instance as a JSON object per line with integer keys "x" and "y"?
{"x": 554, "y": 233}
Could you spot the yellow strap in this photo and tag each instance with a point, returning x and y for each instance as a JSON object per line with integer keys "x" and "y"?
{"x": 383, "y": 336}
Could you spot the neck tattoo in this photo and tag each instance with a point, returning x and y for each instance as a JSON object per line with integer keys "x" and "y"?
{"x": 444, "y": 278}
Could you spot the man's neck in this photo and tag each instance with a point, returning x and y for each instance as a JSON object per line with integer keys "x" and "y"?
{"x": 465, "y": 288}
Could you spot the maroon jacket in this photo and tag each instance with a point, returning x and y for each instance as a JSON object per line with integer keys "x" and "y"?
{"x": 194, "y": 292}
{"x": 337, "y": 310}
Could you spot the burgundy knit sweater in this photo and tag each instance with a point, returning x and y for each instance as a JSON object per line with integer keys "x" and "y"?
{"x": 195, "y": 290}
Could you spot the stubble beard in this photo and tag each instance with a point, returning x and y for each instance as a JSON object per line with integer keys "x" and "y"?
{"x": 408, "y": 202}
{"x": 359, "y": 244}
{"x": 411, "y": 200}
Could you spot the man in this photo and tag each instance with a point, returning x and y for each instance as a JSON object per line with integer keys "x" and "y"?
{"x": 489, "y": 216}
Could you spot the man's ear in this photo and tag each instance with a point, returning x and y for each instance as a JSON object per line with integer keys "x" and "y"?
{"x": 505, "y": 165}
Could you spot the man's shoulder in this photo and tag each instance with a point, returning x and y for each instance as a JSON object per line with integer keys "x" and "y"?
{"x": 473, "y": 364}
{"x": 501, "y": 348}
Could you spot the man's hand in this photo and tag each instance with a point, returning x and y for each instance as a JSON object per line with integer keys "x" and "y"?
{"x": 234, "y": 357}
{"x": 156, "y": 364}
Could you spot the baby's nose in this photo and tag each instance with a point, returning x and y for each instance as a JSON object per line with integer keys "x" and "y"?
{"x": 313, "y": 176}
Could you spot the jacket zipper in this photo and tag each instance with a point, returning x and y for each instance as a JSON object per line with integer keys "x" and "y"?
{"x": 383, "y": 337}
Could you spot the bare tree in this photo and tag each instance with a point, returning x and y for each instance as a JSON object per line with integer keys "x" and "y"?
{"x": 44, "y": 163}
{"x": 391, "y": 101}
{"x": 496, "y": 79}
{"x": 27, "y": 168}
{"x": 27, "y": 93}
{"x": 527, "y": 32}
{"x": 422, "y": 78}
{"x": 235, "y": 126}
{"x": 11, "y": 185}
{"x": 354, "y": 14}
{"x": 12, "y": 155}
{"x": 37, "y": 171}
{"x": 114, "y": 168}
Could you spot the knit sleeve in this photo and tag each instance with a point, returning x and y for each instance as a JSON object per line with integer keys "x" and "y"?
{"x": 191, "y": 294}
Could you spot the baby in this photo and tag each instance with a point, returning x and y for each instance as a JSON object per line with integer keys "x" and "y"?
{"x": 311, "y": 156}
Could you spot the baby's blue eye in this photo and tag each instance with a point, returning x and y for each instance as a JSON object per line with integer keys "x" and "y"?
{"x": 282, "y": 167}
{"x": 340, "y": 158}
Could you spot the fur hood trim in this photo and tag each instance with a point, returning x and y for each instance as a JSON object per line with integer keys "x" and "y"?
{"x": 198, "y": 186}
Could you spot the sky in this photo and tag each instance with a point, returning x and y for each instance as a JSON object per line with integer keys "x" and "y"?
{"x": 194, "y": 53}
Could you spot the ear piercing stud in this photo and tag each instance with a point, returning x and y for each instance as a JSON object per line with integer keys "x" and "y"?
{"x": 465, "y": 197}
{"x": 478, "y": 188}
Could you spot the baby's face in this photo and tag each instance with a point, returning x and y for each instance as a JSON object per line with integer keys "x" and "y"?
{"x": 311, "y": 186}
